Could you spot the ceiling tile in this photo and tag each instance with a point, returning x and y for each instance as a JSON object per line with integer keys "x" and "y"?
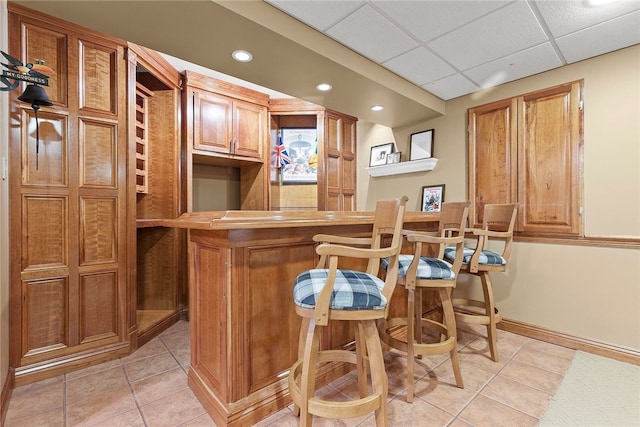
{"x": 609, "y": 36}
{"x": 513, "y": 67}
{"x": 500, "y": 33}
{"x": 372, "y": 35}
{"x": 451, "y": 87}
{"x": 427, "y": 20}
{"x": 315, "y": 12}
{"x": 564, "y": 17}
{"x": 419, "y": 66}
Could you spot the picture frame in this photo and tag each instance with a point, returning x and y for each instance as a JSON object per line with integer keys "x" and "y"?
{"x": 422, "y": 145}
{"x": 301, "y": 147}
{"x": 432, "y": 198}
{"x": 379, "y": 154}
{"x": 393, "y": 157}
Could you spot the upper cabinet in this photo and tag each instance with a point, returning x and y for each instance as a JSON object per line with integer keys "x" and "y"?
{"x": 226, "y": 119}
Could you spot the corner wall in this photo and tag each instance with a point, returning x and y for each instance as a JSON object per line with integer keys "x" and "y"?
{"x": 589, "y": 292}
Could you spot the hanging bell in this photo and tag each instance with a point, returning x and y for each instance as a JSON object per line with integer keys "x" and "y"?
{"x": 36, "y": 96}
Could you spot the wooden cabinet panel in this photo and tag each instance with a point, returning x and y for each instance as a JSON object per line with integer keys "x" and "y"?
{"x": 98, "y": 225}
{"x": 249, "y": 121}
{"x": 98, "y": 303}
{"x": 97, "y": 77}
{"x": 45, "y": 232}
{"x": 50, "y": 46}
{"x": 98, "y": 154}
{"x": 44, "y": 315}
{"x": 52, "y": 150}
{"x": 337, "y": 187}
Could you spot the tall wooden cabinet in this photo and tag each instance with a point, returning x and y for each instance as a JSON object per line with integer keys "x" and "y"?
{"x": 69, "y": 218}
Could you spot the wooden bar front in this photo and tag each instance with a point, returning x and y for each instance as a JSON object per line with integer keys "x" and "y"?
{"x": 244, "y": 330}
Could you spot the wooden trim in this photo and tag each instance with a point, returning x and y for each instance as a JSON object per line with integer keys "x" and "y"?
{"x": 598, "y": 241}
{"x": 589, "y": 346}
{"x": 5, "y": 397}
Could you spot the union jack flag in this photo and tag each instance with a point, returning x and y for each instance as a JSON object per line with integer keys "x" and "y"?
{"x": 282, "y": 157}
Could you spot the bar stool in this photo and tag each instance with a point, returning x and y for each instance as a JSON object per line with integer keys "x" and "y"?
{"x": 328, "y": 293}
{"x": 420, "y": 273}
{"x": 498, "y": 223}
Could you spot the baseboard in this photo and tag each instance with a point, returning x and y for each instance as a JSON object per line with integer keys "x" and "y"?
{"x": 5, "y": 397}
{"x": 594, "y": 347}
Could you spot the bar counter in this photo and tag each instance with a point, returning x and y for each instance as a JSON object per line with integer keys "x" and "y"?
{"x": 244, "y": 330}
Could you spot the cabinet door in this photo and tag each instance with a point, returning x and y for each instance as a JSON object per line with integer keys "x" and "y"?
{"x": 336, "y": 190}
{"x": 549, "y": 143}
{"x": 69, "y": 211}
{"x": 249, "y": 124}
{"x": 212, "y": 122}
{"x": 492, "y": 156}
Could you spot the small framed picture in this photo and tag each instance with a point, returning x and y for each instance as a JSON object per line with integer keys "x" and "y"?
{"x": 379, "y": 154}
{"x": 421, "y": 145}
{"x": 432, "y": 198}
{"x": 393, "y": 158}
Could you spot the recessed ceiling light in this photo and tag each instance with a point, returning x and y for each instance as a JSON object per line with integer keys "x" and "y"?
{"x": 242, "y": 56}
{"x": 323, "y": 87}
{"x": 377, "y": 108}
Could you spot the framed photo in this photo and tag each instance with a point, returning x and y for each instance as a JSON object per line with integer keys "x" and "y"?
{"x": 379, "y": 154}
{"x": 421, "y": 145}
{"x": 432, "y": 198}
{"x": 393, "y": 157}
{"x": 300, "y": 147}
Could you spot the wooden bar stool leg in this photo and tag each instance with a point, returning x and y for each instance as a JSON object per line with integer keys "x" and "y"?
{"x": 411, "y": 326}
{"x": 302, "y": 339}
{"x": 379, "y": 380}
{"x": 490, "y": 311}
{"x": 308, "y": 375}
{"x": 449, "y": 320}
{"x": 361, "y": 355}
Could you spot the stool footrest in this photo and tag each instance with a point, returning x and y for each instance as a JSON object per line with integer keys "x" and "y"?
{"x": 467, "y": 311}
{"x": 350, "y": 409}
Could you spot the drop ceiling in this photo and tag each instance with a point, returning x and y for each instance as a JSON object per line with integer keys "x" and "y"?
{"x": 410, "y": 56}
{"x": 452, "y": 48}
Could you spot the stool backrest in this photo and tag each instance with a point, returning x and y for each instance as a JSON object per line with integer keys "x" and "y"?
{"x": 500, "y": 218}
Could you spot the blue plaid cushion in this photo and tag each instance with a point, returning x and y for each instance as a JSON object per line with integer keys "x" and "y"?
{"x": 486, "y": 257}
{"x": 428, "y": 268}
{"x": 353, "y": 290}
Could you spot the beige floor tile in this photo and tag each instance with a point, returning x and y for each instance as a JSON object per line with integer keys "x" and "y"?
{"x": 546, "y": 361}
{"x": 532, "y": 376}
{"x": 172, "y": 410}
{"x": 152, "y": 348}
{"x": 443, "y": 395}
{"x": 149, "y": 366}
{"x": 158, "y": 386}
{"x": 556, "y": 350}
{"x": 100, "y": 407}
{"x": 418, "y": 413}
{"x": 47, "y": 418}
{"x": 485, "y": 412}
{"x": 127, "y": 419}
{"x": 36, "y": 398}
{"x": 93, "y": 369}
{"x": 180, "y": 327}
{"x": 88, "y": 387}
{"x": 203, "y": 420}
{"x": 518, "y": 396}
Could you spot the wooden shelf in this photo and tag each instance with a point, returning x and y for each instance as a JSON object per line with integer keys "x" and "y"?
{"x": 142, "y": 139}
{"x": 403, "y": 167}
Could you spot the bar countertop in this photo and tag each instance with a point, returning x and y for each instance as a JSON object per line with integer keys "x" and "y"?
{"x": 225, "y": 220}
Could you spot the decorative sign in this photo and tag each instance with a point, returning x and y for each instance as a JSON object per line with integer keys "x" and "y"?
{"x": 37, "y": 73}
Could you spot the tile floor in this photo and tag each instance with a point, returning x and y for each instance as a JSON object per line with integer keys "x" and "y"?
{"x": 149, "y": 388}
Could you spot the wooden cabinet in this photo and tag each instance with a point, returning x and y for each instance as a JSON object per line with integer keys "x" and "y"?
{"x": 528, "y": 150}
{"x": 159, "y": 298}
{"x": 69, "y": 202}
{"x": 226, "y": 126}
{"x": 336, "y": 187}
{"x": 337, "y": 183}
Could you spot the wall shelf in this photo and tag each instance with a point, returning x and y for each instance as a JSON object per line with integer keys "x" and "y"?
{"x": 403, "y": 167}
